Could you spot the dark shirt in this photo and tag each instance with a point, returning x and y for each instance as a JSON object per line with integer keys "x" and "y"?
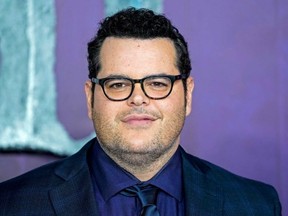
{"x": 109, "y": 179}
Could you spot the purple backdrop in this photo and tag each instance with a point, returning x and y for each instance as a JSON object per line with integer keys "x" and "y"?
{"x": 240, "y": 104}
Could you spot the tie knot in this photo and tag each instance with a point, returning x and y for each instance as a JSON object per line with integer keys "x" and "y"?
{"x": 146, "y": 193}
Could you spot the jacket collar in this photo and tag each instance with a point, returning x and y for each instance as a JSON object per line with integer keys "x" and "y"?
{"x": 203, "y": 196}
{"x": 75, "y": 195}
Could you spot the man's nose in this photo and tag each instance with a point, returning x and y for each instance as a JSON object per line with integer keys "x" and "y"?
{"x": 138, "y": 96}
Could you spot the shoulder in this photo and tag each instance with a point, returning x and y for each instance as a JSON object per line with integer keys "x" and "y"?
{"x": 226, "y": 179}
{"x": 34, "y": 186}
{"x": 50, "y": 174}
{"x": 221, "y": 175}
{"x": 236, "y": 190}
{"x": 30, "y": 190}
{"x": 42, "y": 176}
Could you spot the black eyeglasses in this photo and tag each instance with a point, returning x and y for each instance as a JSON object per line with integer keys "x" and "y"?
{"x": 155, "y": 87}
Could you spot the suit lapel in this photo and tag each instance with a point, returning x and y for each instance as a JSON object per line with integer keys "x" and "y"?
{"x": 75, "y": 195}
{"x": 203, "y": 196}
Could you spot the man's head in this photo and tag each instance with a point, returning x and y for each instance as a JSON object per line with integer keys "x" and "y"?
{"x": 139, "y": 103}
{"x": 141, "y": 24}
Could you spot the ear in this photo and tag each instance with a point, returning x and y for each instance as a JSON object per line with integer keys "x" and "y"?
{"x": 89, "y": 95}
{"x": 190, "y": 87}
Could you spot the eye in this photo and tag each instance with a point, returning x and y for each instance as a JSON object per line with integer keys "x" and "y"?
{"x": 117, "y": 84}
{"x": 158, "y": 83}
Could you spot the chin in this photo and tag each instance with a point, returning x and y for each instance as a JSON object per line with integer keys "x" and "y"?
{"x": 138, "y": 146}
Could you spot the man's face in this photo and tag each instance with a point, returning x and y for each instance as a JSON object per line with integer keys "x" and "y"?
{"x": 138, "y": 130}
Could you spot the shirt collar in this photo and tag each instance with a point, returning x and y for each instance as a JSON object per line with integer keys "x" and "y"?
{"x": 169, "y": 178}
{"x": 111, "y": 178}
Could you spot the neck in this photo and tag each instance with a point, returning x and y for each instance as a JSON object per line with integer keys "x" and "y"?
{"x": 145, "y": 174}
{"x": 141, "y": 166}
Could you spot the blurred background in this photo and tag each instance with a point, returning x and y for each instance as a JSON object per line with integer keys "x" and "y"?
{"x": 239, "y": 52}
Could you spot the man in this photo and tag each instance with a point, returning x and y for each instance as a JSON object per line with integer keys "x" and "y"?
{"x": 138, "y": 97}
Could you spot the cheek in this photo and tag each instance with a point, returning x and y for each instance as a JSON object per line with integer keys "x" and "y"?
{"x": 173, "y": 107}
{"x": 105, "y": 110}
{"x": 103, "y": 119}
{"x": 177, "y": 100}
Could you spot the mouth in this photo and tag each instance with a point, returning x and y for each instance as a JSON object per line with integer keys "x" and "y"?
{"x": 139, "y": 119}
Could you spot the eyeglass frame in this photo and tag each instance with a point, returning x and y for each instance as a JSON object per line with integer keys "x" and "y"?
{"x": 172, "y": 78}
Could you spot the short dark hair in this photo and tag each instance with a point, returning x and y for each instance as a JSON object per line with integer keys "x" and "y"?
{"x": 140, "y": 24}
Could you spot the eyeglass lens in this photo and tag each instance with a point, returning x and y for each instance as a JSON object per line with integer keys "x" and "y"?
{"x": 153, "y": 87}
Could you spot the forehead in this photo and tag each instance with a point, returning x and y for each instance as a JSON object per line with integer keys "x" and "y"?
{"x": 137, "y": 56}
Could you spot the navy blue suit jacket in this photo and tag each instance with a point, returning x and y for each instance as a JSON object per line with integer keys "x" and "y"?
{"x": 65, "y": 188}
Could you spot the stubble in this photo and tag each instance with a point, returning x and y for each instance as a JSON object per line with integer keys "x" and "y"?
{"x": 158, "y": 148}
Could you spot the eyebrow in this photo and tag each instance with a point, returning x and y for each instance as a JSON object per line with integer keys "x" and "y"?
{"x": 128, "y": 77}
